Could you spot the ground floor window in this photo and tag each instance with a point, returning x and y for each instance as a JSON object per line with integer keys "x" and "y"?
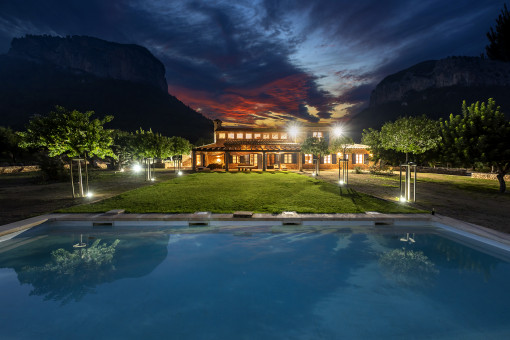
{"x": 308, "y": 158}
{"x": 287, "y": 158}
{"x": 235, "y": 159}
{"x": 199, "y": 160}
{"x": 327, "y": 159}
{"x": 253, "y": 159}
{"x": 359, "y": 158}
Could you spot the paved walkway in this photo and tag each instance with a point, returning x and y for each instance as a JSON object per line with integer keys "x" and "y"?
{"x": 485, "y": 209}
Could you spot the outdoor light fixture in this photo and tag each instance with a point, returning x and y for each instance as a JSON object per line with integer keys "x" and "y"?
{"x": 90, "y": 194}
{"x": 341, "y": 182}
{"x": 121, "y": 170}
{"x": 293, "y": 131}
{"x": 137, "y": 168}
{"x": 179, "y": 173}
{"x": 337, "y": 131}
{"x": 153, "y": 179}
{"x": 402, "y": 199}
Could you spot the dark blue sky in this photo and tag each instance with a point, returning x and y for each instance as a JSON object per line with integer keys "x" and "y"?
{"x": 260, "y": 62}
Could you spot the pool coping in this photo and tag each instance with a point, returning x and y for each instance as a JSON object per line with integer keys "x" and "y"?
{"x": 377, "y": 220}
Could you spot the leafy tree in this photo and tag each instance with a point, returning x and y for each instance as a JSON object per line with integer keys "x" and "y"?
{"x": 340, "y": 144}
{"x": 499, "y": 38}
{"x": 179, "y": 146}
{"x": 480, "y": 134}
{"x": 9, "y": 144}
{"x": 315, "y": 146}
{"x": 372, "y": 138}
{"x": 414, "y": 135}
{"x": 123, "y": 148}
{"x": 66, "y": 133}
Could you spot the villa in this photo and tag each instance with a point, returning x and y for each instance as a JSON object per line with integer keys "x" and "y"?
{"x": 243, "y": 148}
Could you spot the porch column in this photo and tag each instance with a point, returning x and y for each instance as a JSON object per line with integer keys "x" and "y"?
{"x": 227, "y": 154}
{"x": 300, "y": 161}
{"x": 194, "y": 160}
{"x": 264, "y": 164}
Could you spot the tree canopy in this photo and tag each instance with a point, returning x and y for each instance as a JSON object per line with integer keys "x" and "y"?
{"x": 499, "y": 38}
{"x": 414, "y": 135}
{"x": 480, "y": 134}
{"x": 315, "y": 146}
{"x": 69, "y": 133}
{"x": 340, "y": 144}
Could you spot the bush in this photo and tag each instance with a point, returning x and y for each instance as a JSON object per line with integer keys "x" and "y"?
{"x": 358, "y": 170}
{"x": 52, "y": 169}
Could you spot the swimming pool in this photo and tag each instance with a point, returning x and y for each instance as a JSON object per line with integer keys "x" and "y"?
{"x": 259, "y": 282}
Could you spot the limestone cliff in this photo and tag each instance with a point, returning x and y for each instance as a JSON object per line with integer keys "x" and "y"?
{"x": 470, "y": 72}
{"x": 94, "y": 56}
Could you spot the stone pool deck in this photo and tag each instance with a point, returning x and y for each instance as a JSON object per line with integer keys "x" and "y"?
{"x": 369, "y": 219}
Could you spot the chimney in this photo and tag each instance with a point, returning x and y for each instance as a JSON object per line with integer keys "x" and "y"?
{"x": 217, "y": 124}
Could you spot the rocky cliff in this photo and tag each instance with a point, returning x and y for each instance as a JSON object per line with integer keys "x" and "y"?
{"x": 469, "y": 72}
{"x": 94, "y": 56}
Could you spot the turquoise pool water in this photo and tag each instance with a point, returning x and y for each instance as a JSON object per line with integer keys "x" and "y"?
{"x": 250, "y": 283}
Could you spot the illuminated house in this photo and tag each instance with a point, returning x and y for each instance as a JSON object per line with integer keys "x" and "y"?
{"x": 241, "y": 148}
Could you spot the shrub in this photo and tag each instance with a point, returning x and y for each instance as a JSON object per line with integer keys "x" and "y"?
{"x": 358, "y": 170}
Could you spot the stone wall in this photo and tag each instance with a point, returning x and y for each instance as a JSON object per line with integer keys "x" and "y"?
{"x": 13, "y": 169}
{"x": 485, "y": 175}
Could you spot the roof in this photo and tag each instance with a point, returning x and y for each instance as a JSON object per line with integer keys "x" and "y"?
{"x": 260, "y": 145}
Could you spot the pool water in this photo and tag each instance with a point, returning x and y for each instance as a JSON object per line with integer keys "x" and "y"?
{"x": 250, "y": 284}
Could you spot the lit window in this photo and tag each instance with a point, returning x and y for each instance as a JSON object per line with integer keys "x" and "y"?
{"x": 231, "y": 135}
{"x": 359, "y": 158}
{"x": 317, "y": 134}
{"x": 249, "y": 136}
{"x": 274, "y": 135}
{"x": 253, "y": 159}
{"x": 235, "y": 159}
{"x": 327, "y": 159}
{"x": 221, "y": 135}
{"x": 287, "y": 158}
{"x": 199, "y": 160}
{"x": 257, "y": 136}
{"x": 240, "y": 135}
{"x": 308, "y": 158}
{"x": 265, "y": 135}
{"x": 283, "y": 135}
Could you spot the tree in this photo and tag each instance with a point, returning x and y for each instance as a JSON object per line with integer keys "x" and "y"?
{"x": 66, "y": 133}
{"x": 9, "y": 144}
{"x": 414, "y": 135}
{"x": 340, "y": 144}
{"x": 372, "y": 138}
{"x": 499, "y": 38}
{"x": 480, "y": 134}
{"x": 179, "y": 147}
{"x": 317, "y": 147}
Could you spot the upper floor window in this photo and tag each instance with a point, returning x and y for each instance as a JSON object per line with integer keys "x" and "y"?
{"x": 283, "y": 135}
{"x": 231, "y": 135}
{"x": 317, "y": 134}
{"x": 249, "y": 135}
{"x": 265, "y": 135}
{"x": 274, "y": 135}
{"x": 257, "y": 136}
{"x": 221, "y": 135}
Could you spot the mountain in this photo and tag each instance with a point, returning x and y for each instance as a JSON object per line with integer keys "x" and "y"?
{"x": 436, "y": 88}
{"x": 87, "y": 73}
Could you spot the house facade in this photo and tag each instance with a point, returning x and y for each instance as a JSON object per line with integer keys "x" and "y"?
{"x": 241, "y": 148}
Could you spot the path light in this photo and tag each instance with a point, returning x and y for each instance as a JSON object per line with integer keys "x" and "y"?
{"x": 179, "y": 173}
{"x": 137, "y": 168}
{"x": 90, "y": 194}
{"x": 153, "y": 179}
{"x": 341, "y": 182}
{"x": 402, "y": 199}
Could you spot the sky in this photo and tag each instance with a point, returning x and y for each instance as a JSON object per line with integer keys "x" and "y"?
{"x": 268, "y": 62}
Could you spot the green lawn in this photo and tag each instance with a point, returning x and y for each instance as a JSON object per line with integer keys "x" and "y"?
{"x": 220, "y": 192}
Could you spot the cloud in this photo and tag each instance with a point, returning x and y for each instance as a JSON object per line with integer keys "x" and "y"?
{"x": 248, "y": 61}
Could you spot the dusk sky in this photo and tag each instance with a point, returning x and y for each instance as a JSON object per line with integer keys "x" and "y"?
{"x": 259, "y": 62}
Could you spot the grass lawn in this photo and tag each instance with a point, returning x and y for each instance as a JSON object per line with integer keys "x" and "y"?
{"x": 263, "y": 192}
